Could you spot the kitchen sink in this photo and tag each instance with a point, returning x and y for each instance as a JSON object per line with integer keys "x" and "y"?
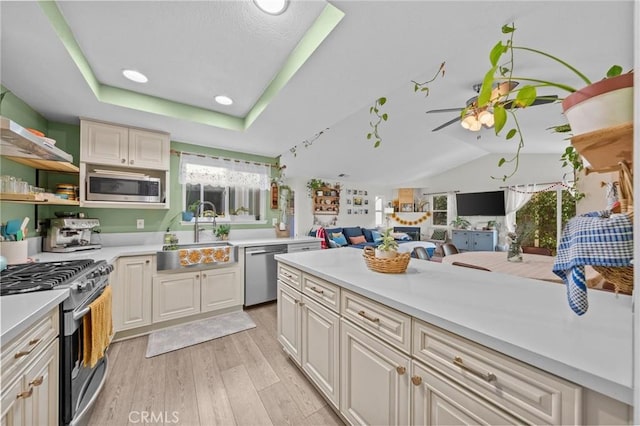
{"x": 196, "y": 256}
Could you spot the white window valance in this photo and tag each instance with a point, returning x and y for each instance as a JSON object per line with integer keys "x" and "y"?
{"x": 223, "y": 172}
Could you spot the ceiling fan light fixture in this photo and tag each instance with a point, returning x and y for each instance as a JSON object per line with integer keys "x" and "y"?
{"x": 475, "y": 126}
{"x": 272, "y": 7}
{"x": 223, "y": 100}
{"x": 486, "y": 117}
{"x": 468, "y": 121}
{"x": 134, "y": 75}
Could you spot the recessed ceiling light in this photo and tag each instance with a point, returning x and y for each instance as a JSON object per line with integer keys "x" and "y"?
{"x": 272, "y": 7}
{"x": 223, "y": 100}
{"x": 134, "y": 75}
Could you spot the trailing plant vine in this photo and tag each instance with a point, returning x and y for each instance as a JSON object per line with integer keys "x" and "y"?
{"x": 423, "y": 87}
{"x": 375, "y": 110}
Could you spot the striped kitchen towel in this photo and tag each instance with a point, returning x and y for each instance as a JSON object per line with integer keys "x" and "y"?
{"x": 597, "y": 238}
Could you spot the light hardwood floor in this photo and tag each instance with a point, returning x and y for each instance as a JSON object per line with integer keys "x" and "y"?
{"x": 243, "y": 379}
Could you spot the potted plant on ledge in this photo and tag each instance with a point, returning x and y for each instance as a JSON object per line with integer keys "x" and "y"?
{"x": 222, "y": 231}
{"x": 598, "y": 105}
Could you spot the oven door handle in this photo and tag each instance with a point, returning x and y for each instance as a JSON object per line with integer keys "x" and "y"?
{"x": 81, "y": 313}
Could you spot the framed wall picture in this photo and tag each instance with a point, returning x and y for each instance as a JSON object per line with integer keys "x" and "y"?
{"x": 406, "y": 207}
{"x": 348, "y": 200}
{"x": 366, "y": 201}
{"x": 357, "y": 201}
{"x": 348, "y": 211}
{"x": 274, "y": 195}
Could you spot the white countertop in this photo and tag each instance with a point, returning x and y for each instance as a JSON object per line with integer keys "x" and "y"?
{"x": 19, "y": 311}
{"x": 527, "y": 319}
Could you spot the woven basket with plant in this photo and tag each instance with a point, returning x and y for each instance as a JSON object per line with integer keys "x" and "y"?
{"x": 391, "y": 265}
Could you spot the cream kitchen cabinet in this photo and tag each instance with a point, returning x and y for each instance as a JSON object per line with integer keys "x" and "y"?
{"x": 308, "y": 328}
{"x": 30, "y": 378}
{"x": 109, "y": 144}
{"x": 374, "y": 387}
{"x": 176, "y": 295}
{"x": 437, "y": 400}
{"x": 132, "y": 292}
{"x": 221, "y": 288}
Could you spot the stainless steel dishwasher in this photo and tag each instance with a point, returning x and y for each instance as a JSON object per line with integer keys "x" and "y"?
{"x": 261, "y": 274}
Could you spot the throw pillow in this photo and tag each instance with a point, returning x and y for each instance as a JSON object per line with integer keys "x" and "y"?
{"x": 332, "y": 244}
{"x": 439, "y": 234}
{"x": 360, "y": 239}
{"x": 376, "y": 236}
{"x": 401, "y": 236}
{"x": 367, "y": 234}
{"x": 352, "y": 231}
{"x": 339, "y": 239}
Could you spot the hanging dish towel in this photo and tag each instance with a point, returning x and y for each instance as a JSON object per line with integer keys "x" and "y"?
{"x": 97, "y": 328}
{"x": 597, "y": 238}
{"x": 321, "y": 233}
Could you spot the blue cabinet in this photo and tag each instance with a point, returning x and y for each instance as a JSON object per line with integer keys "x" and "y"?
{"x": 475, "y": 240}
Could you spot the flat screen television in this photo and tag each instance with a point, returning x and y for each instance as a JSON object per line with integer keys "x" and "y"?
{"x": 481, "y": 203}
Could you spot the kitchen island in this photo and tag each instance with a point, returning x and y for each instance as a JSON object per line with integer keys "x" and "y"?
{"x": 524, "y": 319}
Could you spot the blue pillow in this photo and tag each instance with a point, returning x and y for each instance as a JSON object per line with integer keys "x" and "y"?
{"x": 339, "y": 239}
{"x": 352, "y": 232}
{"x": 376, "y": 236}
{"x": 367, "y": 234}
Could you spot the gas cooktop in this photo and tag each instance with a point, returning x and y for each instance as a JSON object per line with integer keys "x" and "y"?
{"x": 28, "y": 277}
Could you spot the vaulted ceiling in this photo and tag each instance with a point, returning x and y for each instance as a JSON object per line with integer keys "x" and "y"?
{"x": 303, "y": 81}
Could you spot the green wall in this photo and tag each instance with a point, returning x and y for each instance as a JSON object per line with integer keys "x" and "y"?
{"x": 67, "y": 138}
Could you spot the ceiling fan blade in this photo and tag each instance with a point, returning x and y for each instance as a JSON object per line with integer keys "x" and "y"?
{"x": 446, "y": 124}
{"x": 444, "y": 110}
{"x": 540, "y": 100}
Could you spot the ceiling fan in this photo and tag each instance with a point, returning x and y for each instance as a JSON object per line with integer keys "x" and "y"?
{"x": 478, "y": 117}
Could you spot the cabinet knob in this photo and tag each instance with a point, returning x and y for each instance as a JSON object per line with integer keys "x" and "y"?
{"x": 416, "y": 380}
{"x": 147, "y": 261}
{"x": 123, "y": 161}
{"x": 131, "y": 162}
{"x": 401, "y": 370}
{"x": 204, "y": 275}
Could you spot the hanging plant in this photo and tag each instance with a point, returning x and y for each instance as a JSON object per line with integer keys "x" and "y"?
{"x": 375, "y": 111}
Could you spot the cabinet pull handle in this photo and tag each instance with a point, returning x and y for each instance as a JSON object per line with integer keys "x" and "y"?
{"x": 401, "y": 370}
{"x": 33, "y": 341}
{"x": 416, "y": 380}
{"x": 25, "y": 394}
{"x": 301, "y": 303}
{"x": 37, "y": 381}
{"x": 286, "y": 275}
{"x": 489, "y": 377}
{"x": 365, "y": 316}
{"x": 314, "y": 288}
{"x": 27, "y": 352}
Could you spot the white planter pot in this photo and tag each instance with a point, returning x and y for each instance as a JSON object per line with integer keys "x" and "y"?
{"x": 603, "y": 104}
{"x": 386, "y": 254}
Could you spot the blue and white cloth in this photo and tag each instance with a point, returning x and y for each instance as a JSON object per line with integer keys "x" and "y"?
{"x": 597, "y": 238}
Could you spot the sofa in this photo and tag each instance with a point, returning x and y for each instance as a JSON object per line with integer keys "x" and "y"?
{"x": 357, "y": 237}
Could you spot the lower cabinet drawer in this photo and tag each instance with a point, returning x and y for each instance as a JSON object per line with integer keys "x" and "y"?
{"x": 518, "y": 388}
{"x": 383, "y": 322}
{"x": 290, "y": 276}
{"x": 28, "y": 345}
{"x": 321, "y": 291}
{"x": 438, "y": 400}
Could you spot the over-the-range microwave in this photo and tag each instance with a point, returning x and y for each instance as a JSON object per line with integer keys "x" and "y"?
{"x": 127, "y": 187}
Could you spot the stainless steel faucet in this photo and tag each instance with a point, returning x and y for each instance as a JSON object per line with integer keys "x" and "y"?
{"x": 196, "y": 230}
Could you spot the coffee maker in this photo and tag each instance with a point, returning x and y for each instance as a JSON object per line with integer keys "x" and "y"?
{"x": 70, "y": 234}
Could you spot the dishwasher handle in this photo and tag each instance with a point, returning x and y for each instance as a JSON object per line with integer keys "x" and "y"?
{"x": 265, "y": 252}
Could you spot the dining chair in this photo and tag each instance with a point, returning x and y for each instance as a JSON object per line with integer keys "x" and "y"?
{"x": 448, "y": 248}
{"x": 468, "y": 265}
{"x": 537, "y": 250}
{"x": 421, "y": 253}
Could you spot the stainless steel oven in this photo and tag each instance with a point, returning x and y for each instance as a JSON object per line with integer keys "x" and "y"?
{"x": 86, "y": 281}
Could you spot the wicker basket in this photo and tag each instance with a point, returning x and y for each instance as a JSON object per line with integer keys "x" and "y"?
{"x": 392, "y": 265}
{"x": 622, "y": 277}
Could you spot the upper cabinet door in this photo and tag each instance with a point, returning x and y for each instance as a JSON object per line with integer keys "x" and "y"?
{"x": 104, "y": 143}
{"x": 148, "y": 150}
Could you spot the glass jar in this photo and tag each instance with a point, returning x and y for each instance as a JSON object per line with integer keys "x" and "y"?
{"x": 514, "y": 252}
